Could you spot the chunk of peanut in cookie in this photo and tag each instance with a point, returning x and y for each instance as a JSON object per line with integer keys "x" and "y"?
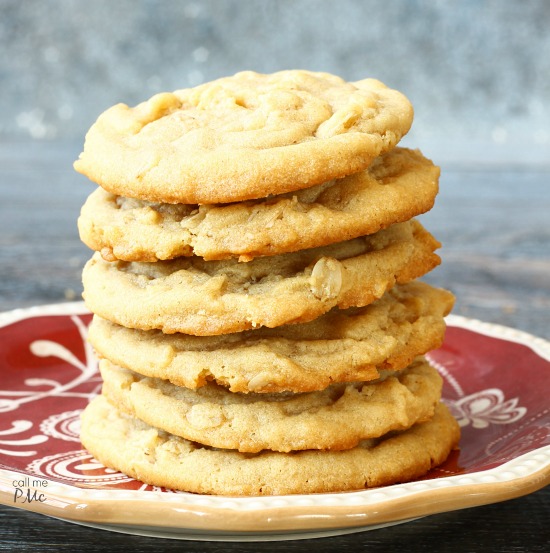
{"x": 326, "y": 278}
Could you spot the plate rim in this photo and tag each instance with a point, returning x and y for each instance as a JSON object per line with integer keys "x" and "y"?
{"x": 194, "y": 515}
{"x": 314, "y": 512}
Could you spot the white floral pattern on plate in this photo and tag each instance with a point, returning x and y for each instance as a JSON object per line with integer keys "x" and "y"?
{"x": 17, "y": 427}
{"x": 481, "y": 408}
{"x": 71, "y": 466}
{"x": 64, "y": 426}
{"x": 486, "y": 407}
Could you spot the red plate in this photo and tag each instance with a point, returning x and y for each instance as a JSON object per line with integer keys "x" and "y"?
{"x": 496, "y": 381}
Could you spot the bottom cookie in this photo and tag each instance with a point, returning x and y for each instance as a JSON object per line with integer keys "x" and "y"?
{"x": 153, "y": 456}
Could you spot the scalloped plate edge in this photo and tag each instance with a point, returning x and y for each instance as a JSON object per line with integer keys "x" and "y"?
{"x": 188, "y": 513}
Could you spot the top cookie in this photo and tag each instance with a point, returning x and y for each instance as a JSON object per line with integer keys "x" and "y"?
{"x": 243, "y": 137}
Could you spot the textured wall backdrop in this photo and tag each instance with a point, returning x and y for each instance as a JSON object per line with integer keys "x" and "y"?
{"x": 477, "y": 71}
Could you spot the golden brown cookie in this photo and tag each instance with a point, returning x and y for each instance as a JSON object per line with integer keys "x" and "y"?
{"x": 340, "y": 346}
{"x": 161, "y": 459}
{"x": 336, "y": 418}
{"x": 203, "y": 298}
{"x": 396, "y": 187}
{"x": 243, "y": 137}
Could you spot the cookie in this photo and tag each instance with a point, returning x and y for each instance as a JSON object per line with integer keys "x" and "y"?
{"x": 340, "y": 346}
{"x": 200, "y": 297}
{"x": 243, "y": 137}
{"x": 161, "y": 459}
{"x": 335, "y": 418}
{"x": 396, "y": 187}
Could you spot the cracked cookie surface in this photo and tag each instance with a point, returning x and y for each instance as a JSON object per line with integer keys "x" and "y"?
{"x": 336, "y": 418}
{"x": 396, "y": 187}
{"x": 199, "y": 297}
{"x": 162, "y": 459}
{"x": 340, "y": 346}
{"x": 243, "y": 137}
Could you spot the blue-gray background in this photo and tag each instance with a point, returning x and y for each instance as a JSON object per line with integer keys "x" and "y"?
{"x": 477, "y": 71}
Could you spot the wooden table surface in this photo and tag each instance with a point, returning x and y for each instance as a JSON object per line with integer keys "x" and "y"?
{"x": 494, "y": 223}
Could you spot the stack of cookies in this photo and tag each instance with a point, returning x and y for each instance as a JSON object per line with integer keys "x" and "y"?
{"x": 258, "y": 316}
